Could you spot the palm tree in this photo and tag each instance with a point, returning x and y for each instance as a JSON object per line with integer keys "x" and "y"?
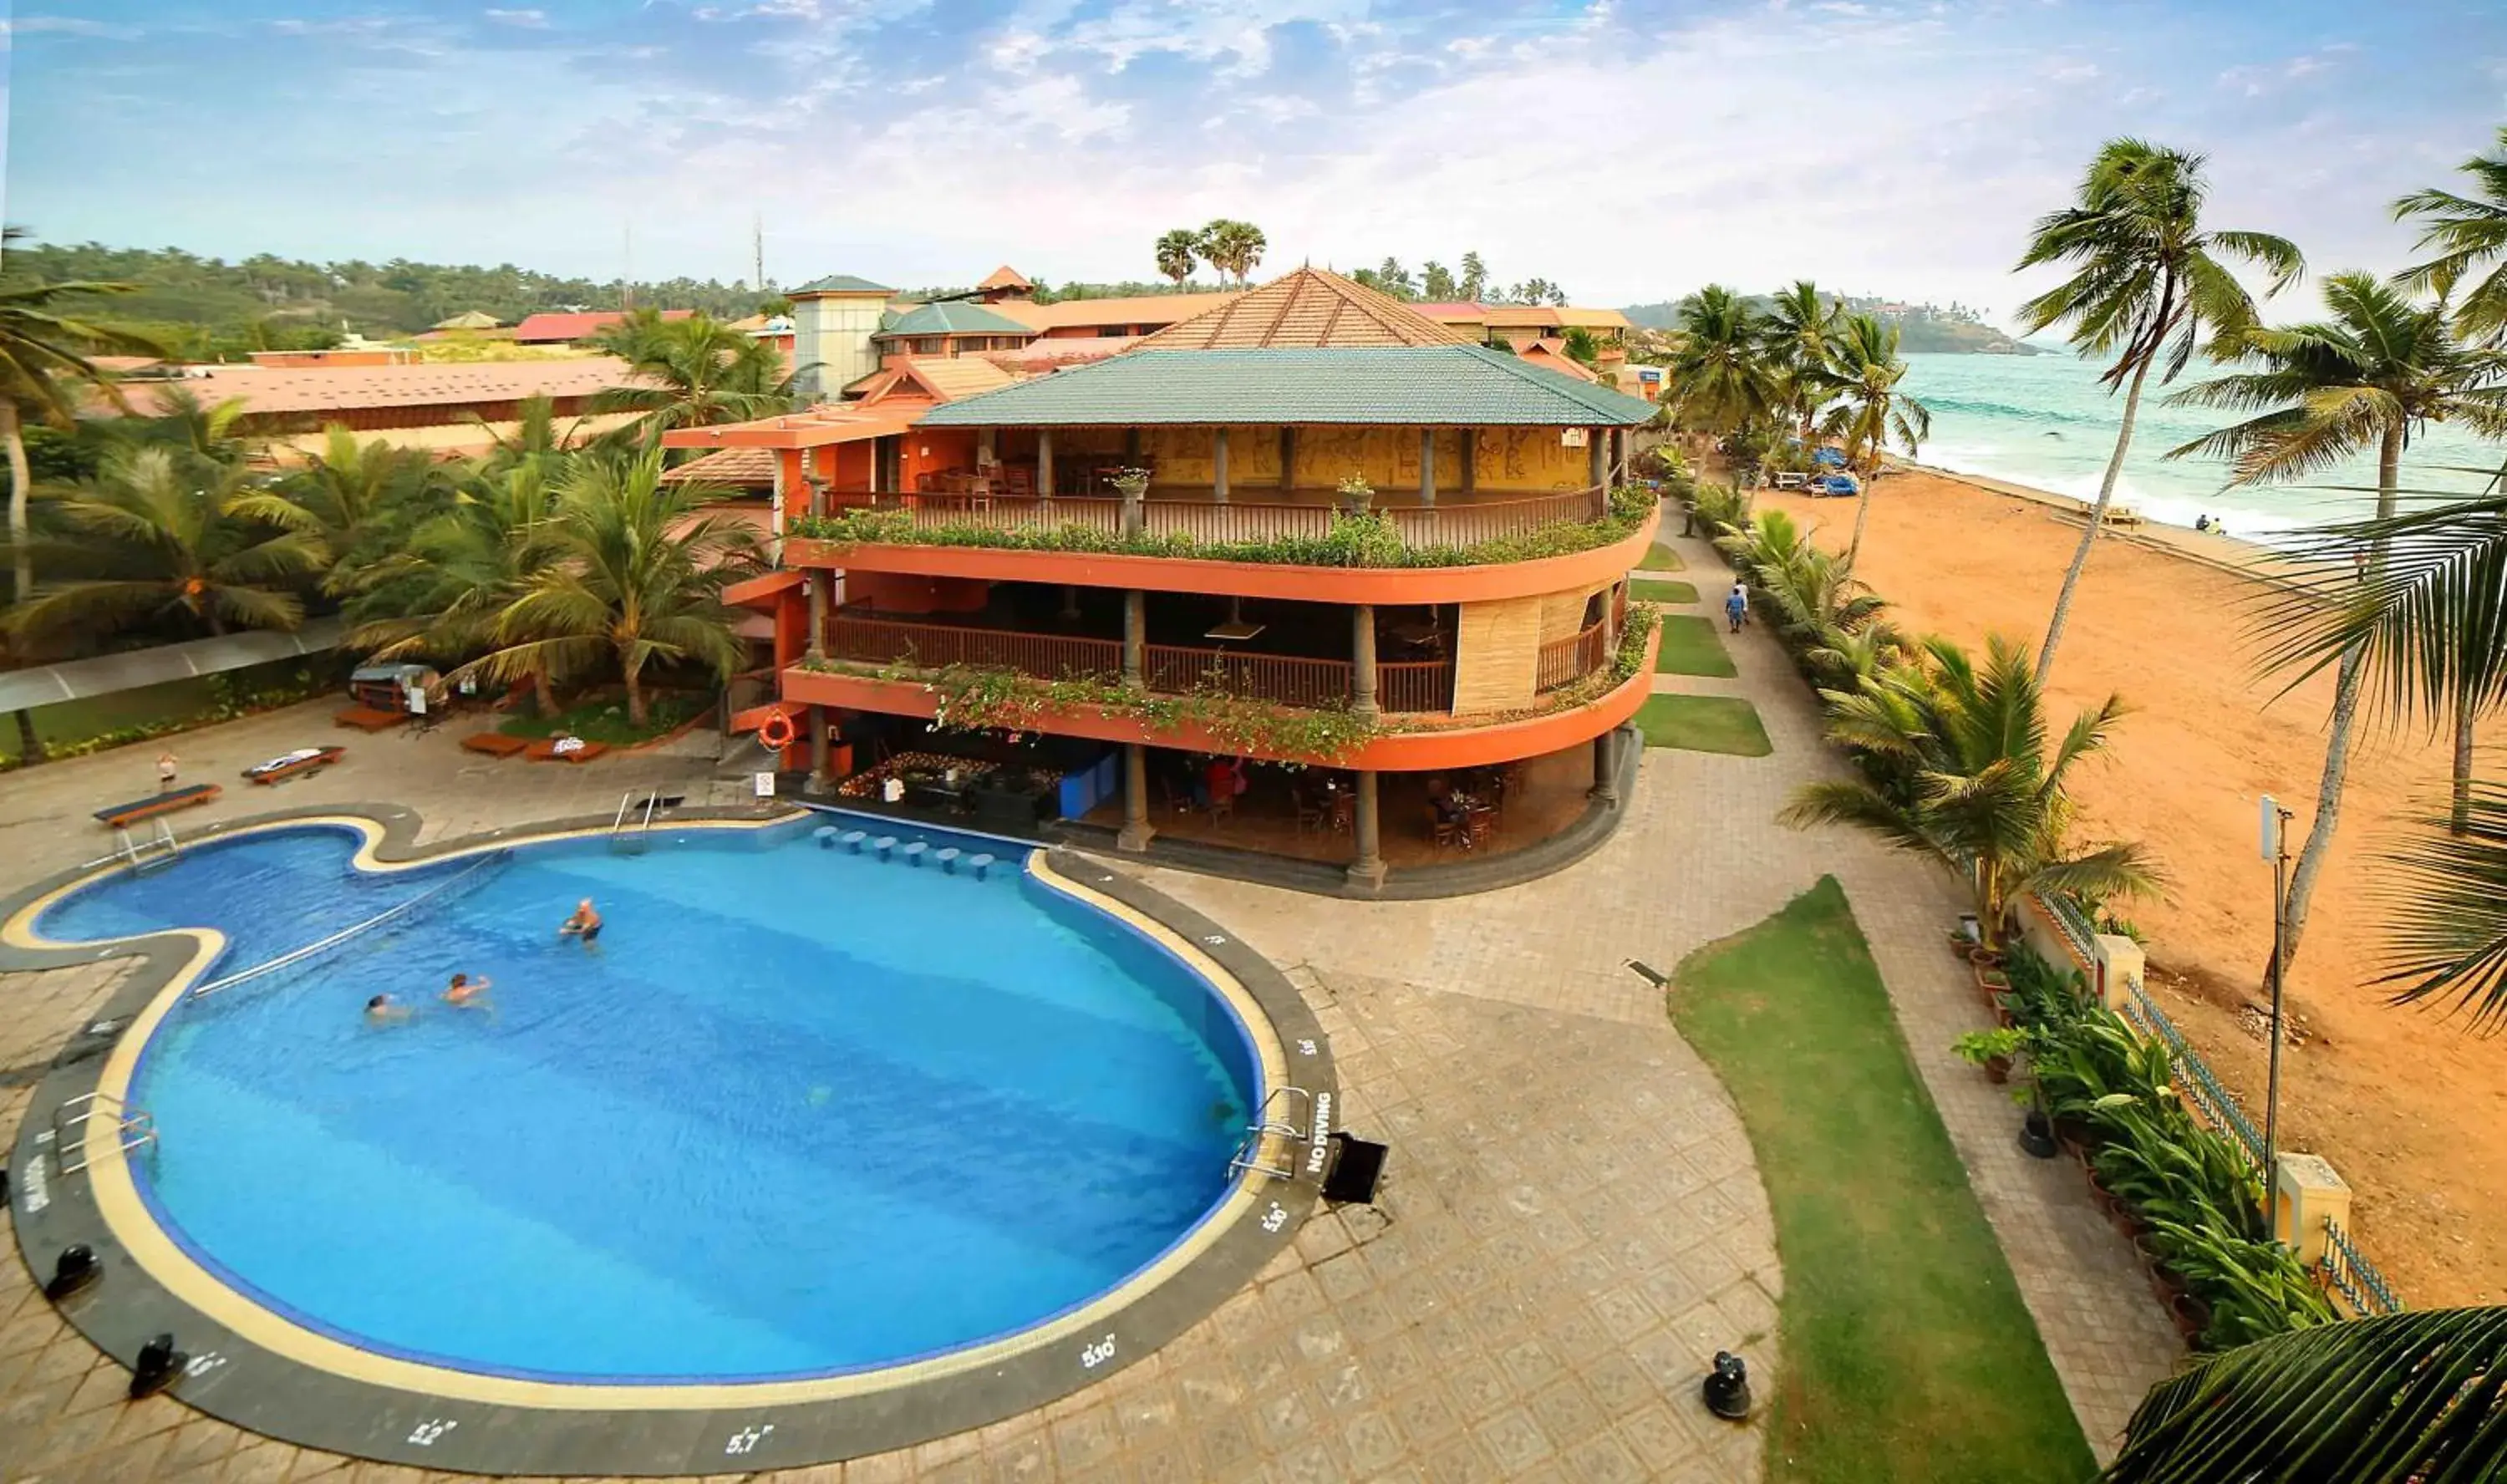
{"x": 1719, "y": 376}
{"x": 439, "y": 595}
{"x": 2387, "y": 1400}
{"x": 2381, "y": 368}
{"x": 1800, "y": 330}
{"x": 43, "y": 359}
{"x": 693, "y": 372}
{"x": 348, "y": 502}
{"x": 1177, "y": 251}
{"x": 1580, "y": 345}
{"x": 2469, "y": 233}
{"x": 1869, "y": 408}
{"x": 1232, "y": 248}
{"x": 1956, "y": 767}
{"x": 636, "y": 575}
{"x": 2150, "y": 283}
{"x": 154, "y": 540}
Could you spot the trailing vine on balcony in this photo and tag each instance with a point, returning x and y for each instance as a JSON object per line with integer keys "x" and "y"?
{"x": 983, "y": 698}
{"x": 1355, "y": 538}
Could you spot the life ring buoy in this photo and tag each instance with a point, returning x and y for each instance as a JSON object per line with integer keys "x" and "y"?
{"x": 777, "y": 731}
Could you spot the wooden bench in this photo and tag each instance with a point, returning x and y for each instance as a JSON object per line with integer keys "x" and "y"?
{"x": 2123, "y": 515}
{"x": 124, "y": 815}
{"x": 367, "y": 718}
{"x": 280, "y": 770}
{"x": 495, "y": 743}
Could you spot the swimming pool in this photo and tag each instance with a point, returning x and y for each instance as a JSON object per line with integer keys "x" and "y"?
{"x": 798, "y": 1113}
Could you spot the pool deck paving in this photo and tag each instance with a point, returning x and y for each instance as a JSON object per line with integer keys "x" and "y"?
{"x": 1570, "y": 1224}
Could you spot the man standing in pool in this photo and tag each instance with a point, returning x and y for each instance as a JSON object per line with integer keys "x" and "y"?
{"x": 584, "y": 924}
{"x": 466, "y": 990}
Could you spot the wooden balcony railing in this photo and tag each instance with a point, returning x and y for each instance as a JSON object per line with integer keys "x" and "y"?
{"x": 1461, "y": 520}
{"x": 1564, "y": 661}
{"x": 1400, "y": 686}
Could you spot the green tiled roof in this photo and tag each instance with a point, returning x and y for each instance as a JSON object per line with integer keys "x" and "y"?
{"x": 841, "y": 283}
{"x": 952, "y": 319}
{"x": 1407, "y": 386}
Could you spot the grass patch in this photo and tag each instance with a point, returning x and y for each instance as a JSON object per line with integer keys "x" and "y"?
{"x": 1906, "y": 1352}
{"x": 1690, "y": 647}
{"x": 1663, "y": 592}
{"x": 1704, "y": 724}
{"x": 1662, "y": 559}
{"x": 602, "y": 717}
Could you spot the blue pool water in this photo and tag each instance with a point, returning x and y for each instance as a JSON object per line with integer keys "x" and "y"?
{"x": 798, "y": 1111}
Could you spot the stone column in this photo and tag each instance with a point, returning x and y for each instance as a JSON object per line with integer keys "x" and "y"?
{"x": 1287, "y": 458}
{"x": 1471, "y": 460}
{"x": 987, "y": 449}
{"x": 1069, "y": 603}
{"x": 1136, "y": 831}
{"x": 1367, "y": 872}
{"x": 1362, "y": 647}
{"x": 818, "y": 578}
{"x": 1218, "y": 467}
{"x": 820, "y": 779}
{"x": 1132, "y": 447}
{"x": 1136, "y": 636}
{"x": 1606, "y": 768}
{"x": 1593, "y": 455}
{"x": 1427, "y": 466}
{"x": 1044, "y": 462}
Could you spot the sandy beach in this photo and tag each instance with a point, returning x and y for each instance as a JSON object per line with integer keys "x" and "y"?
{"x": 2405, "y": 1102}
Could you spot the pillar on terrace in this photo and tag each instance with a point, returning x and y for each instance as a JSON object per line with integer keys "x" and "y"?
{"x": 1132, "y": 447}
{"x": 1044, "y": 462}
{"x": 820, "y": 780}
{"x": 1471, "y": 471}
{"x": 815, "y": 581}
{"x": 1593, "y": 455}
{"x": 1427, "y": 466}
{"x": 1218, "y": 467}
{"x": 1136, "y": 831}
{"x": 1367, "y": 872}
{"x": 1362, "y": 649}
{"x": 1606, "y": 768}
{"x": 1287, "y": 458}
{"x": 1136, "y": 636}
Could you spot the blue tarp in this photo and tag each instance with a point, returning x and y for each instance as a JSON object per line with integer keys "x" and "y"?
{"x": 1827, "y": 458}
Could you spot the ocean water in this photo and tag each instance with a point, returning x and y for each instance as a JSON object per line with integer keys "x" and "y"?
{"x": 2047, "y": 422}
{"x": 797, "y": 1111}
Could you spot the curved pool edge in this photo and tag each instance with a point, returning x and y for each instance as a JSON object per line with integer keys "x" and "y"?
{"x": 262, "y": 1373}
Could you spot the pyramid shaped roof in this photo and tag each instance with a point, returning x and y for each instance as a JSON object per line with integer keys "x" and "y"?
{"x": 1310, "y": 309}
{"x": 1005, "y": 278}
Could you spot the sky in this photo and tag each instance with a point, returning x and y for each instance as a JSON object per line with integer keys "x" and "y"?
{"x": 1629, "y": 150}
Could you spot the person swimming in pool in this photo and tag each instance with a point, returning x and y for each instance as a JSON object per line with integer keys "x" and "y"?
{"x": 383, "y": 1010}
{"x": 466, "y": 990}
{"x": 584, "y": 924}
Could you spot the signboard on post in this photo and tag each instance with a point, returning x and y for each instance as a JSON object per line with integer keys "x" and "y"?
{"x": 2269, "y": 837}
{"x": 764, "y": 782}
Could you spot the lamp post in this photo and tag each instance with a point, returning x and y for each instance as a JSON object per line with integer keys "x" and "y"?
{"x": 2274, "y": 840}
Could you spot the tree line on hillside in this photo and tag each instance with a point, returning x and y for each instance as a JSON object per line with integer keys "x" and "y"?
{"x": 1923, "y": 327}
{"x": 560, "y": 558}
{"x": 2406, "y": 608}
{"x": 202, "y": 308}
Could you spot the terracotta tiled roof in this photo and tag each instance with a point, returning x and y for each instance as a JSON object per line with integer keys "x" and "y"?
{"x": 1551, "y": 355}
{"x": 1309, "y": 310}
{"x": 950, "y": 377}
{"x": 1049, "y": 351}
{"x": 544, "y": 328}
{"x": 1005, "y": 278}
{"x": 1534, "y": 316}
{"x": 745, "y": 468}
{"x": 341, "y": 389}
{"x": 1453, "y": 309}
{"x": 1134, "y": 310}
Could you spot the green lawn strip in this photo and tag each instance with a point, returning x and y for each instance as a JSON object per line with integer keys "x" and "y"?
{"x": 1662, "y": 559}
{"x": 1663, "y": 592}
{"x": 602, "y": 718}
{"x": 1703, "y": 724}
{"x": 1690, "y": 647}
{"x": 1904, "y": 1349}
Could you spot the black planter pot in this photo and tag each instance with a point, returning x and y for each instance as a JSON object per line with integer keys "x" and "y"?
{"x": 2037, "y": 1135}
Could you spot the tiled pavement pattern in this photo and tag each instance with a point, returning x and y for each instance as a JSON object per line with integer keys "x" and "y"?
{"x": 1569, "y": 1225}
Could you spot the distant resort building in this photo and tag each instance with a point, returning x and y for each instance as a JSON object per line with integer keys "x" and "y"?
{"x": 575, "y": 328}
{"x": 1480, "y": 711}
{"x": 429, "y": 406}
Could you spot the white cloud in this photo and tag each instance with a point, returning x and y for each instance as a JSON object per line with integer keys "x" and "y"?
{"x": 528, "y": 19}
{"x": 2253, "y": 79}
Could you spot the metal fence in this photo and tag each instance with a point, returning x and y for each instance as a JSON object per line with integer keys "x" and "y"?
{"x": 2354, "y": 1277}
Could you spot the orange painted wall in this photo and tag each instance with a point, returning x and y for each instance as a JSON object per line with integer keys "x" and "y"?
{"x": 904, "y": 592}
{"x": 931, "y": 450}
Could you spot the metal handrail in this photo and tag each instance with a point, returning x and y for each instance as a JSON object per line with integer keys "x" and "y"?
{"x": 2354, "y": 1277}
{"x": 396, "y": 910}
{"x": 1249, "y": 1156}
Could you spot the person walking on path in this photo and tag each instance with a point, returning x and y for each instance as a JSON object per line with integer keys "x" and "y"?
{"x": 166, "y": 772}
{"x": 1736, "y": 604}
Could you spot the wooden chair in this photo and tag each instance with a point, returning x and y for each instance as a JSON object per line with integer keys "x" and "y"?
{"x": 1310, "y": 814}
{"x": 1222, "y": 808}
{"x": 1441, "y": 830}
{"x": 1344, "y": 813}
{"x": 1479, "y": 827}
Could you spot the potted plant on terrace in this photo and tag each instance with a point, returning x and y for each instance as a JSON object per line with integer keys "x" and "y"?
{"x": 1991, "y": 1050}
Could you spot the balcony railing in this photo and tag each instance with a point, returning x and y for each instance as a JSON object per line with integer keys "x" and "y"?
{"x": 1564, "y": 661}
{"x": 1458, "y": 520}
{"x": 1400, "y": 686}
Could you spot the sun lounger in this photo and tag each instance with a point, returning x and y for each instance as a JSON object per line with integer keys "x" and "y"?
{"x": 495, "y": 743}
{"x": 1789, "y": 481}
{"x": 303, "y": 760}
{"x": 149, "y": 808}
{"x": 545, "y": 752}
{"x": 367, "y": 718}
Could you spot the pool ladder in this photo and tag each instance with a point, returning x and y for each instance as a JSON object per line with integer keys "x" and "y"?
{"x": 635, "y": 818}
{"x": 133, "y": 1128}
{"x": 1248, "y": 1151}
{"x": 160, "y": 847}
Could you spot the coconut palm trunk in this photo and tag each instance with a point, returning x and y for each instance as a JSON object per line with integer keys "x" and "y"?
{"x": 2097, "y": 524}
{"x": 1861, "y": 513}
{"x": 2346, "y": 711}
{"x": 22, "y": 559}
{"x": 2459, "y": 815}
{"x": 634, "y": 690}
{"x": 30, "y": 747}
